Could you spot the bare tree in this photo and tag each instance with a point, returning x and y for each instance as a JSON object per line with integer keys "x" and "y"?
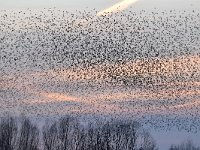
{"x": 124, "y": 135}
{"x": 148, "y": 142}
{"x": 8, "y": 134}
{"x": 50, "y": 137}
{"x": 28, "y": 136}
{"x": 187, "y": 145}
{"x": 68, "y": 134}
{"x": 112, "y": 136}
{"x": 64, "y": 134}
{"x": 78, "y": 137}
{"x": 65, "y": 131}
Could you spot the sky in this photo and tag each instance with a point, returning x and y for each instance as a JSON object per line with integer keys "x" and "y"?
{"x": 57, "y": 100}
{"x": 99, "y": 4}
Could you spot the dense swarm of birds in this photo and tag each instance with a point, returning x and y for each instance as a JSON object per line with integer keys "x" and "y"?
{"x": 141, "y": 65}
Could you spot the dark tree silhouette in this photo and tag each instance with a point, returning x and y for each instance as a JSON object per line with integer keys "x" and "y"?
{"x": 65, "y": 131}
{"x": 29, "y": 136}
{"x": 187, "y": 145}
{"x": 8, "y": 133}
{"x": 50, "y": 137}
{"x": 68, "y": 134}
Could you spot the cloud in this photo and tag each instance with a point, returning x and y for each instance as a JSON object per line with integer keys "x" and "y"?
{"x": 117, "y": 7}
{"x": 56, "y": 97}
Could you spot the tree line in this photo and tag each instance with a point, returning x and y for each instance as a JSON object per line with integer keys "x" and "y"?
{"x": 68, "y": 133}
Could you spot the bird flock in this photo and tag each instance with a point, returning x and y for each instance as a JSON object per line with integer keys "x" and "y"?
{"x": 140, "y": 65}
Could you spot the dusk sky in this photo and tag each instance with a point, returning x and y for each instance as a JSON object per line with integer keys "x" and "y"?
{"x": 98, "y": 4}
{"x": 138, "y": 65}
